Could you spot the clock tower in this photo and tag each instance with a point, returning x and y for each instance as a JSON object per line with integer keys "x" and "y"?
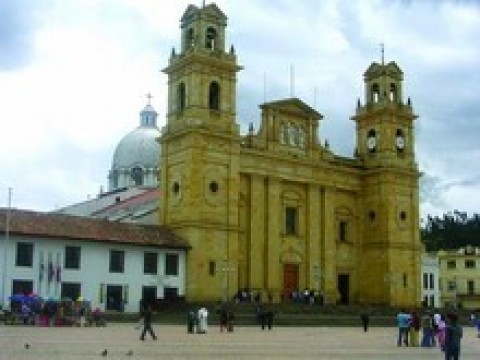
{"x": 390, "y": 230}
{"x": 200, "y": 154}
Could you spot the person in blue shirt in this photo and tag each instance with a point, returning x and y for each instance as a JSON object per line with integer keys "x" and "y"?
{"x": 403, "y": 324}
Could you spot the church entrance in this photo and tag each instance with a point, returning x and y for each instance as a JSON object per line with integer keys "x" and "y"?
{"x": 343, "y": 286}
{"x": 290, "y": 280}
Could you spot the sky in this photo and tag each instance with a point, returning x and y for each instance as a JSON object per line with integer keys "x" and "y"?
{"x": 74, "y": 75}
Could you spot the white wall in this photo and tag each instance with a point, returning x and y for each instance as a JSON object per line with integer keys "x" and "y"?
{"x": 93, "y": 272}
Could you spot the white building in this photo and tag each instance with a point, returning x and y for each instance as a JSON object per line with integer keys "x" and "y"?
{"x": 112, "y": 264}
{"x": 430, "y": 273}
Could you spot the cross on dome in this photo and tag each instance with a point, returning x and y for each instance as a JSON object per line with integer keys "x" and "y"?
{"x": 149, "y": 97}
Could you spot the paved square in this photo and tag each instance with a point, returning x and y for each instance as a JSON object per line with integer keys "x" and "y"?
{"x": 245, "y": 343}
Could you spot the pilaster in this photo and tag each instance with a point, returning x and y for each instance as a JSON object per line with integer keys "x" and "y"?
{"x": 274, "y": 229}
{"x": 313, "y": 237}
{"x": 329, "y": 251}
{"x": 257, "y": 248}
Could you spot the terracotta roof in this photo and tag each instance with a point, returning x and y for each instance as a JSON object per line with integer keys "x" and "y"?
{"x": 149, "y": 196}
{"x": 26, "y": 222}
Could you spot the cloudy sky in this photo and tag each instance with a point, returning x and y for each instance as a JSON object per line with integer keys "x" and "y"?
{"x": 74, "y": 74}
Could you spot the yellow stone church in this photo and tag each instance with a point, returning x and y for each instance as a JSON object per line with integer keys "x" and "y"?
{"x": 274, "y": 211}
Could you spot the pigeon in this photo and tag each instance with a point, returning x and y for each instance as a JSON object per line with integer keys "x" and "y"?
{"x": 27, "y": 346}
{"x": 130, "y": 353}
{"x": 104, "y": 352}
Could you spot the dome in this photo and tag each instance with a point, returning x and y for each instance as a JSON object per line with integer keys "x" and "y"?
{"x": 138, "y": 148}
{"x": 136, "y": 159}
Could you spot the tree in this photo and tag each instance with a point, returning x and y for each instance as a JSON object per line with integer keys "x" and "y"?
{"x": 452, "y": 231}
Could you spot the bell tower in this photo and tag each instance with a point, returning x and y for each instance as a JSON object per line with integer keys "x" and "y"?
{"x": 385, "y": 122}
{"x": 200, "y": 154}
{"x": 385, "y": 142}
{"x": 202, "y": 77}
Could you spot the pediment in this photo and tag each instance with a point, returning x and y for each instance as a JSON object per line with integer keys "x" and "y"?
{"x": 293, "y": 105}
{"x": 212, "y": 10}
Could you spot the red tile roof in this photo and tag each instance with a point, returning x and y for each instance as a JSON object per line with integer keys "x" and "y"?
{"x": 52, "y": 225}
{"x": 149, "y": 196}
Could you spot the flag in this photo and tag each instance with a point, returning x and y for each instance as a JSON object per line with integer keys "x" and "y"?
{"x": 51, "y": 271}
{"x": 40, "y": 271}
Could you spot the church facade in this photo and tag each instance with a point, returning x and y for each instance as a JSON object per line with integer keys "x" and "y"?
{"x": 275, "y": 211}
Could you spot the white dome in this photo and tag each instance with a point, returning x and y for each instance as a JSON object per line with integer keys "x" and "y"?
{"x": 136, "y": 160}
{"x": 139, "y": 148}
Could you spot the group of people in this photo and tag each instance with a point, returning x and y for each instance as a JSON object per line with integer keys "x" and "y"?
{"x": 436, "y": 328}
{"x": 36, "y": 311}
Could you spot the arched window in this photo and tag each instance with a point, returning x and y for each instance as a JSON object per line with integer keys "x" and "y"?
{"x": 211, "y": 38}
{"x": 375, "y": 93}
{"x": 190, "y": 39}
{"x": 214, "y": 96}
{"x": 181, "y": 93}
{"x": 393, "y": 93}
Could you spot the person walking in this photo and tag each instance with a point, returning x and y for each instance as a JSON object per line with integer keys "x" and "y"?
{"x": 414, "y": 329}
{"x": 403, "y": 324}
{"x": 427, "y": 331}
{"x": 441, "y": 332}
{"x": 202, "y": 316}
{"x": 453, "y": 337}
{"x": 147, "y": 323}
{"x": 365, "y": 321}
{"x": 270, "y": 314}
{"x": 223, "y": 317}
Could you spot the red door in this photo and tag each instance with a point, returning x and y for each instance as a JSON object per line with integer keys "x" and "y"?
{"x": 290, "y": 280}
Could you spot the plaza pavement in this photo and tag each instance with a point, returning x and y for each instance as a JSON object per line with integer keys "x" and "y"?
{"x": 246, "y": 342}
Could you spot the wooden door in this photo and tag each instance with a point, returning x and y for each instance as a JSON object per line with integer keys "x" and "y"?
{"x": 343, "y": 286}
{"x": 290, "y": 280}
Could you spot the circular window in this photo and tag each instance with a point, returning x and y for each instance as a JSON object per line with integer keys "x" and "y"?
{"x": 176, "y": 187}
{"x": 372, "y": 215}
{"x": 403, "y": 215}
{"x": 213, "y": 186}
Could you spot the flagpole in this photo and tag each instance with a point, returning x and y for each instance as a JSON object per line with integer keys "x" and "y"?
{"x": 5, "y": 245}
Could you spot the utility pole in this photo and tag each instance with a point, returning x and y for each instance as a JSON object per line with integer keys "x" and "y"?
{"x": 5, "y": 246}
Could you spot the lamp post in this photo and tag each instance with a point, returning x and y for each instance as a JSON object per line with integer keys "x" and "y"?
{"x": 5, "y": 245}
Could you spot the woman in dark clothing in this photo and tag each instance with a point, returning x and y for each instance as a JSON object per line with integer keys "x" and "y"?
{"x": 453, "y": 338}
{"x": 147, "y": 324}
